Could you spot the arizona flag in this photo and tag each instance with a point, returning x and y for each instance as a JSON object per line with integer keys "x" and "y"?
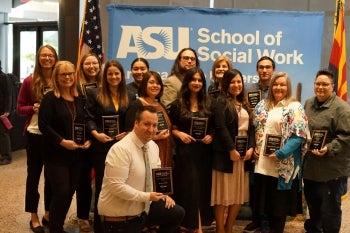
{"x": 337, "y": 61}
{"x": 91, "y": 34}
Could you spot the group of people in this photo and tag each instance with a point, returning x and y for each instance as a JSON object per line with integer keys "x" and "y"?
{"x": 87, "y": 124}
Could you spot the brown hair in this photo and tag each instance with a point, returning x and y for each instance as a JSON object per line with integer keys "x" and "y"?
{"x": 80, "y": 69}
{"x": 38, "y": 82}
{"x": 215, "y": 64}
{"x": 104, "y": 93}
{"x": 143, "y": 86}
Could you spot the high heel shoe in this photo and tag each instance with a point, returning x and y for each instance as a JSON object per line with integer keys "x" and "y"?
{"x": 38, "y": 229}
{"x": 45, "y": 222}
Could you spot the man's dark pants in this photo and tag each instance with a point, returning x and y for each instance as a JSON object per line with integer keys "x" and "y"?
{"x": 168, "y": 220}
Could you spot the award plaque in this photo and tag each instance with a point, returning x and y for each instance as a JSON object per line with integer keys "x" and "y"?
{"x": 254, "y": 98}
{"x": 88, "y": 86}
{"x": 79, "y": 133}
{"x": 272, "y": 143}
{"x": 318, "y": 139}
{"x": 241, "y": 145}
{"x": 46, "y": 89}
{"x": 163, "y": 180}
{"x": 110, "y": 125}
{"x": 162, "y": 125}
{"x": 198, "y": 127}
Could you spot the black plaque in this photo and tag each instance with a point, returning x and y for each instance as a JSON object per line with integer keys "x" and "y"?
{"x": 241, "y": 143}
{"x": 163, "y": 180}
{"x": 79, "y": 133}
{"x": 46, "y": 89}
{"x": 88, "y": 86}
{"x": 162, "y": 124}
{"x": 272, "y": 143}
{"x": 110, "y": 125}
{"x": 318, "y": 139}
{"x": 199, "y": 127}
{"x": 254, "y": 98}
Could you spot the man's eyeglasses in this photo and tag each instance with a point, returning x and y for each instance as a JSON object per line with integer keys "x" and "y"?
{"x": 186, "y": 58}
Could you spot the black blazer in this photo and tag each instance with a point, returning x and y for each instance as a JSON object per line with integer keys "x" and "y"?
{"x": 226, "y": 128}
{"x": 55, "y": 123}
{"x": 95, "y": 111}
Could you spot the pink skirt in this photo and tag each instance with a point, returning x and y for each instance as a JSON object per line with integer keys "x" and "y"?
{"x": 230, "y": 188}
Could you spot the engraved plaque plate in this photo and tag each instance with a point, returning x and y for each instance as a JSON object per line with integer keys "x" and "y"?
{"x": 163, "y": 180}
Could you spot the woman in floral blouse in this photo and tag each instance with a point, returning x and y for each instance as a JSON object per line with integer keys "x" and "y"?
{"x": 279, "y": 119}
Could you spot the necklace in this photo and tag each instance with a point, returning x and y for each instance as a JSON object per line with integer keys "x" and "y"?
{"x": 71, "y": 108}
{"x": 238, "y": 107}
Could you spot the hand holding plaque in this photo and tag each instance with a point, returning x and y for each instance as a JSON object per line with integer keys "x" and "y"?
{"x": 163, "y": 180}
{"x": 254, "y": 98}
{"x": 199, "y": 127}
{"x": 272, "y": 143}
{"x": 88, "y": 86}
{"x": 241, "y": 143}
{"x": 110, "y": 125}
{"x": 162, "y": 124}
{"x": 318, "y": 139}
{"x": 79, "y": 133}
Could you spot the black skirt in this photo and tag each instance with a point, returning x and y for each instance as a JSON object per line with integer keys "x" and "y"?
{"x": 268, "y": 200}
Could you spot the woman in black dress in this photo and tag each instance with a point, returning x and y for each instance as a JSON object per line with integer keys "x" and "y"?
{"x": 192, "y": 173}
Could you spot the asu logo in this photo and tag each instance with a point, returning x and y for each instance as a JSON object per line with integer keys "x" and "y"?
{"x": 152, "y": 42}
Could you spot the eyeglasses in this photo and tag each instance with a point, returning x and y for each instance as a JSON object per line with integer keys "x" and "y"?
{"x": 186, "y": 58}
{"x": 63, "y": 75}
{"x": 91, "y": 64}
{"x": 317, "y": 84}
{"x": 47, "y": 55}
{"x": 264, "y": 67}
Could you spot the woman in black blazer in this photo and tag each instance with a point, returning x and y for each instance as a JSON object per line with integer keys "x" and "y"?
{"x": 106, "y": 107}
{"x": 62, "y": 123}
{"x": 230, "y": 181}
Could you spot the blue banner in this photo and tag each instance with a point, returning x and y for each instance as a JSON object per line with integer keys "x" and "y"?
{"x": 158, "y": 33}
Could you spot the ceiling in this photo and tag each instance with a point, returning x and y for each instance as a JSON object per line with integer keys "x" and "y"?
{"x": 35, "y": 10}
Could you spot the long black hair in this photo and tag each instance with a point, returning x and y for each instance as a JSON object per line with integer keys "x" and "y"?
{"x": 185, "y": 92}
{"x": 227, "y": 97}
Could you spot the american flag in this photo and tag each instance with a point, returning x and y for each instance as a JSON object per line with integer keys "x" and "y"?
{"x": 337, "y": 60}
{"x": 91, "y": 34}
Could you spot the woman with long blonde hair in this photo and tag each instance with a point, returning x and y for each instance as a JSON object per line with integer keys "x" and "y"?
{"x": 62, "y": 122}
{"x": 89, "y": 74}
